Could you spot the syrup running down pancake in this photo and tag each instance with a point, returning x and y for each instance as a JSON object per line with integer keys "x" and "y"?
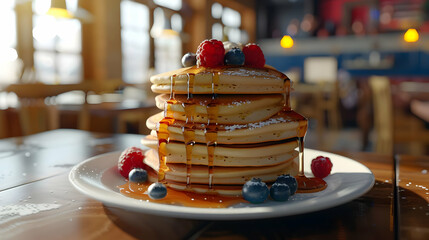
{"x": 283, "y": 125}
{"x": 232, "y": 109}
{"x": 230, "y": 80}
{"x": 221, "y": 127}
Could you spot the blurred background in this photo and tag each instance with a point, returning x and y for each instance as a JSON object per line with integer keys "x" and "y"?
{"x": 360, "y": 69}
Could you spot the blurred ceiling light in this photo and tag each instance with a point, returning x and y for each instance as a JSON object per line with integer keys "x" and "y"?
{"x": 292, "y": 28}
{"x": 286, "y": 42}
{"x": 411, "y": 35}
{"x": 385, "y": 18}
{"x": 58, "y": 9}
{"x": 357, "y": 27}
{"x": 162, "y": 25}
{"x": 168, "y": 31}
{"x": 306, "y": 25}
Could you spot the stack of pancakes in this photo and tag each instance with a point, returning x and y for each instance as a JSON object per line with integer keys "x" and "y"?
{"x": 220, "y": 127}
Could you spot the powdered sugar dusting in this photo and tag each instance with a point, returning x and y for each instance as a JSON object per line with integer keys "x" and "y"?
{"x": 238, "y": 103}
{"x": 251, "y": 126}
{"x": 25, "y": 209}
{"x": 248, "y": 73}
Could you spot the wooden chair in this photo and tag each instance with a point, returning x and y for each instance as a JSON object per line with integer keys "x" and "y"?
{"x": 317, "y": 96}
{"x": 37, "y": 108}
{"x": 94, "y": 87}
{"x": 3, "y": 131}
{"x": 394, "y": 126}
{"x": 141, "y": 105}
{"x": 138, "y": 117}
{"x": 322, "y": 72}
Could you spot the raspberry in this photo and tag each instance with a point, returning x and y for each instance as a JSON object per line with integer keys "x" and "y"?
{"x": 130, "y": 158}
{"x": 210, "y": 53}
{"x": 254, "y": 57}
{"x": 321, "y": 166}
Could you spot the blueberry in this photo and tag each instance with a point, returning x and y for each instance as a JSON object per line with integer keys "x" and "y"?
{"x": 234, "y": 57}
{"x": 280, "y": 192}
{"x": 189, "y": 59}
{"x": 157, "y": 190}
{"x": 138, "y": 175}
{"x": 290, "y": 181}
{"x": 255, "y": 191}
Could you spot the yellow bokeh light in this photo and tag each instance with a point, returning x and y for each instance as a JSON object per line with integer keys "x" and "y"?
{"x": 286, "y": 42}
{"x": 411, "y": 35}
{"x": 59, "y": 13}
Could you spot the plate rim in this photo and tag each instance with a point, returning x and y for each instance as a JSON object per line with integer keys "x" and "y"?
{"x": 240, "y": 213}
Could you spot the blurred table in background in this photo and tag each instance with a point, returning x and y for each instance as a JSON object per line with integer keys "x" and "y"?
{"x": 95, "y": 106}
{"x": 110, "y": 117}
{"x": 38, "y": 202}
{"x": 402, "y": 91}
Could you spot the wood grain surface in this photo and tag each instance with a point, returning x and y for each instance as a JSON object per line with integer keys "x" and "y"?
{"x": 38, "y": 202}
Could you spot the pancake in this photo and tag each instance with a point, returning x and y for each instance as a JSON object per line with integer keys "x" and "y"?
{"x": 230, "y": 108}
{"x": 227, "y": 190}
{"x": 220, "y": 127}
{"x": 281, "y": 126}
{"x": 223, "y": 161}
{"x": 231, "y": 80}
{"x": 225, "y": 175}
{"x": 246, "y": 151}
{"x": 225, "y": 180}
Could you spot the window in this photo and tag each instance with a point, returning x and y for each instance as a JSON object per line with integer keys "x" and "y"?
{"x": 136, "y": 35}
{"x": 168, "y": 45}
{"x": 172, "y": 4}
{"x": 10, "y": 65}
{"x": 135, "y": 41}
{"x": 57, "y": 45}
{"x": 228, "y": 23}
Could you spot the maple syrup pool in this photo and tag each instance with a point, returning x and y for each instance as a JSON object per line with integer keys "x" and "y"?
{"x": 182, "y": 198}
{"x": 201, "y": 200}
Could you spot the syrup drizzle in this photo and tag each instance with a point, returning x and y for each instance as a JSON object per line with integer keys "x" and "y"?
{"x": 189, "y": 127}
{"x": 211, "y": 128}
{"x": 286, "y": 95}
{"x": 181, "y": 198}
{"x": 305, "y": 184}
{"x": 162, "y": 131}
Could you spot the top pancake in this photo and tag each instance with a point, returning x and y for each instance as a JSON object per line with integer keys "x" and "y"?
{"x": 232, "y": 80}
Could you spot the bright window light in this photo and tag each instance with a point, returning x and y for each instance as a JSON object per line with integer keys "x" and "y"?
{"x": 231, "y": 18}
{"x": 172, "y": 4}
{"x": 216, "y": 10}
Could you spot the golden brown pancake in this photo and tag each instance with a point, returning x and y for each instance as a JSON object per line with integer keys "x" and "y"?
{"x": 242, "y": 113}
{"x": 231, "y": 183}
{"x": 255, "y": 150}
{"x": 281, "y": 126}
{"x": 232, "y": 80}
{"x": 231, "y": 109}
{"x": 223, "y": 161}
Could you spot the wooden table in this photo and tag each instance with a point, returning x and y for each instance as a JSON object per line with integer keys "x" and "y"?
{"x": 38, "y": 202}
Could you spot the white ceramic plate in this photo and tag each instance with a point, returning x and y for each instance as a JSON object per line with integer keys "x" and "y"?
{"x": 98, "y": 178}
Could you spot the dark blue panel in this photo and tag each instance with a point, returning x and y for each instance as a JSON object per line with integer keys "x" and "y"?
{"x": 405, "y": 63}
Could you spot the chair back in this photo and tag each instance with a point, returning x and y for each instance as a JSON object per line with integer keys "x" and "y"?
{"x": 37, "y": 108}
{"x": 322, "y": 73}
{"x": 383, "y": 114}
